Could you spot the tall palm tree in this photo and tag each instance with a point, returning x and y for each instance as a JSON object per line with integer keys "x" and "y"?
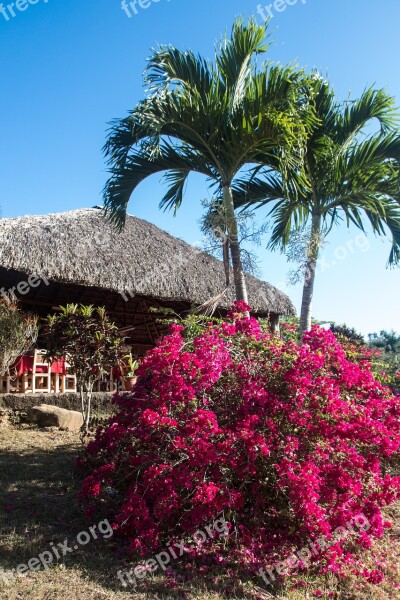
{"x": 214, "y": 118}
{"x": 352, "y": 172}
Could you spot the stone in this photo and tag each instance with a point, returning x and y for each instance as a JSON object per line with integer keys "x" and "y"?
{"x": 54, "y": 416}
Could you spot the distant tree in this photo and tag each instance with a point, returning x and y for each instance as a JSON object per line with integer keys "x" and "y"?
{"x": 388, "y": 362}
{"x": 389, "y": 341}
{"x": 349, "y": 333}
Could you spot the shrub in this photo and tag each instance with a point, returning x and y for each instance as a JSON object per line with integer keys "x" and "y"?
{"x": 90, "y": 341}
{"x": 384, "y": 359}
{"x": 288, "y": 442}
{"x": 348, "y": 333}
{"x": 387, "y": 357}
{"x": 18, "y": 333}
{"x": 386, "y": 365}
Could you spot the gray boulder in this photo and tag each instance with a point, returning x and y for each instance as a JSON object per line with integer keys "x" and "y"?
{"x": 54, "y": 416}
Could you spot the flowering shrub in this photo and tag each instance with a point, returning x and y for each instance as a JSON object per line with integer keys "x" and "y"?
{"x": 287, "y": 442}
{"x": 384, "y": 364}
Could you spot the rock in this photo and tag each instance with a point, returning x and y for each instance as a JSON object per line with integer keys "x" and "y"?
{"x": 54, "y": 416}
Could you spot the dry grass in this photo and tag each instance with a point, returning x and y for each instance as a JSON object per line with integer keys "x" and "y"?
{"x": 38, "y": 506}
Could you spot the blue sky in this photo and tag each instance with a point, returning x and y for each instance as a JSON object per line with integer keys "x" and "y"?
{"x": 68, "y": 68}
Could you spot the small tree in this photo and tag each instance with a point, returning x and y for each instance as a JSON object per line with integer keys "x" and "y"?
{"x": 18, "y": 333}
{"x": 91, "y": 343}
{"x": 214, "y": 226}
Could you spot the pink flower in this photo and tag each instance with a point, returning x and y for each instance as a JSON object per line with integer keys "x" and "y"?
{"x": 206, "y": 493}
{"x": 240, "y": 307}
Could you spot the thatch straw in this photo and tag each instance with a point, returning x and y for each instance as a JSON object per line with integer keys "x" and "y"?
{"x": 81, "y": 247}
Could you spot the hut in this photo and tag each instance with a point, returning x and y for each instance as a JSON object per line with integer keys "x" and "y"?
{"x": 78, "y": 257}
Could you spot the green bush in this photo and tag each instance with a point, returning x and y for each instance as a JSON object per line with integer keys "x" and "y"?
{"x": 18, "y": 333}
{"x": 91, "y": 342}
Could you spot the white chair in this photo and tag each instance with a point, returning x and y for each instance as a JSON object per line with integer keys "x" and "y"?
{"x": 68, "y": 381}
{"x": 41, "y": 380}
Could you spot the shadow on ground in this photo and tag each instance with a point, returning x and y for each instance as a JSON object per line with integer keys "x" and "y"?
{"x": 39, "y": 508}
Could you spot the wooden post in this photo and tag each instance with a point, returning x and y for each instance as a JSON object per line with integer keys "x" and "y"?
{"x": 274, "y": 321}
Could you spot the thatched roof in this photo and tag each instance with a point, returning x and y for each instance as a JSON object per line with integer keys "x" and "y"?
{"x": 81, "y": 247}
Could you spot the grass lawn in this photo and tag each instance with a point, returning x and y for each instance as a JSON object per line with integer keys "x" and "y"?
{"x": 38, "y": 507}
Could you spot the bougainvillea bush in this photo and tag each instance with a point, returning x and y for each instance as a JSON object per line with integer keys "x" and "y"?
{"x": 385, "y": 365}
{"x": 287, "y": 442}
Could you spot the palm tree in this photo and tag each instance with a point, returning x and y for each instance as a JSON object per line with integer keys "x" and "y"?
{"x": 352, "y": 176}
{"x": 214, "y": 118}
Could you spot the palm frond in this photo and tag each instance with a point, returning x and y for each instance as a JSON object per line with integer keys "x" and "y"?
{"x": 267, "y": 187}
{"x": 234, "y": 55}
{"x": 176, "y": 181}
{"x": 367, "y": 171}
{"x": 138, "y": 167}
{"x": 387, "y": 214}
{"x": 120, "y": 140}
{"x": 373, "y": 104}
{"x": 168, "y": 65}
{"x": 287, "y": 216}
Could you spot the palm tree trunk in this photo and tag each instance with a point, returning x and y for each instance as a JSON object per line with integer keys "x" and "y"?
{"x": 309, "y": 279}
{"x": 232, "y": 226}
